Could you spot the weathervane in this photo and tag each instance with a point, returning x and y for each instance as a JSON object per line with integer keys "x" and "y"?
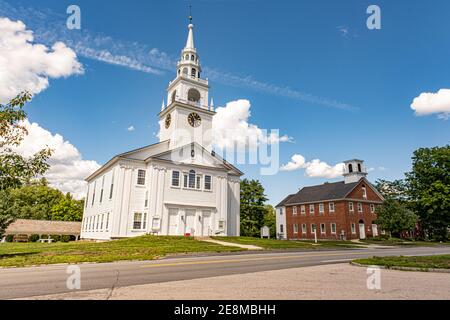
{"x": 190, "y": 14}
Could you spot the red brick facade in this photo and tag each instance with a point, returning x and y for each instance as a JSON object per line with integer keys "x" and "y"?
{"x": 337, "y": 224}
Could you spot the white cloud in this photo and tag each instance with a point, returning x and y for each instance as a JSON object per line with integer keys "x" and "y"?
{"x": 429, "y": 103}
{"x": 297, "y": 162}
{"x": 131, "y": 128}
{"x": 25, "y": 65}
{"x": 315, "y": 168}
{"x": 231, "y": 126}
{"x": 67, "y": 167}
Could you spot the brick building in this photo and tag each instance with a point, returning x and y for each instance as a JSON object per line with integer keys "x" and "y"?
{"x": 340, "y": 210}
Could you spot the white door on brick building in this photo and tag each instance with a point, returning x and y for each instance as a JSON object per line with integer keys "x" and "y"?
{"x": 362, "y": 231}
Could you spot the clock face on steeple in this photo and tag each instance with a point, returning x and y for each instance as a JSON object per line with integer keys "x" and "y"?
{"x": 194, "y": 120}
{"x": 168, "y": 121}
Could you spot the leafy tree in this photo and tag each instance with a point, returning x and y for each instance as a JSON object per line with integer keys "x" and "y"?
{"x": 394, "y": 217}
{"x": 397, "y": 189}
{"x": 270, "y": 220}
{"x": 253, "y": 209}
{"x": 16, "y": 170}
{"x": 68, "y": 209}
{"x": 32, "y": 201}
{"x": 429, "y": 189}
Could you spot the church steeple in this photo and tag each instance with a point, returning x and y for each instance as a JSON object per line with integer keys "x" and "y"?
{"x": 188, "y": 115}
{"x": 189, "y": 63}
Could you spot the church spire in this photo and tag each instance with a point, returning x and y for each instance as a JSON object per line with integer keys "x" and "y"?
{"x": 190, "y": 39}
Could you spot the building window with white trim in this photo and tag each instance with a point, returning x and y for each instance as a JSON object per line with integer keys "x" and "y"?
{"x": 303, "y": 209}
{"x": 93, "y": 194}
{"x": 353, "y": 228}
{"x": 191, "y": 183}
{"x": 208, "y": 183}
{"x": 101, "y": 191}
{"x": 313, "y": 228}
{"x": 360, "y": 207}
{"x": 175, "y": 178}
{"x": 281, "y": 228}
{"x": 137, "y": 221}
{"x": 321, "y": 208}
{"x": 322, "y": 228}
{"x": 304, "y": 228}
{"x": 350, "y": 207}
{"x": 311, "y": 209}
{"x": 295, "y": 228}
{"x": 185, "y": 180}
{"x": 199, "y": 182}
{"x": 372, "y": 208}
{"x": 364, "y": 192}
{"x": 294, "y": 210}
{"x": 111, "y": 188}
{"x": 333, "y": 228}
{"x": 107, "y": 222}
{"x": 331, "y": 207}
{"x": 141, "y": 177}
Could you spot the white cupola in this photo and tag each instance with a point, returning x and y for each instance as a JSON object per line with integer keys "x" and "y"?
{"x": 354, "y": 170}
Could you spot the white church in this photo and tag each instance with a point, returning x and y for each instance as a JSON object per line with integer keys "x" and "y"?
{"x": 178, "y": 186}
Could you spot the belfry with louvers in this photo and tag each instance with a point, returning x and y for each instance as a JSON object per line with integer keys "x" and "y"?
{"x": 177, "y": 186}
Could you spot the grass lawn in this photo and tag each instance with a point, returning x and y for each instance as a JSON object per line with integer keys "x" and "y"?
{"x": 422, "y": 262}
{"x": 140, "y": 248}
{"x": 283, "y": 244}
{"x": 402, "y": 242}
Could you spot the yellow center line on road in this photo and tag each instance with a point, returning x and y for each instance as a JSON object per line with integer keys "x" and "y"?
{"x": 175, "y": 264}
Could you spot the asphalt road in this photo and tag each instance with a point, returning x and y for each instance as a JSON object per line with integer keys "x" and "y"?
{"x": 45, "y": 280}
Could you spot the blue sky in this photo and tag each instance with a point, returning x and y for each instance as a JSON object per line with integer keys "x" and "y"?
{"x": 321, "y": 48}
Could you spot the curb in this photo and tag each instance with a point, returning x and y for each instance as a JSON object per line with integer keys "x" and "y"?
{"x": 402, "y": 268}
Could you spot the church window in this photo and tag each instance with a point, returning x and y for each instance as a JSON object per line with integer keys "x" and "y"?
{"x": 322, "y": 228}
{"x": 185, "y": 71}
{"x": 193, "y": 95}
{"x": 186, "y": 57}
{"x": 364, "y": 192}
{"x": 372, "y": 208}
{"x": 87, "y": 197}
{"x": 333, "y": 228}
{"x": 111, "y": 189}
{"x": 331, "y": 206}
{"x": 360, "y": 207}
{"x": 350, "y": 206}
{"x": 137, "y": 221}
{"x": 311, "y": 208}
{"x": 321, "y": 208}
{"x": 192, "y": 58}
{"x": 192, "y": 179}
{"x": 359, "y": 167}
{"x": 174, "y": 96}
{"x": 199, "y": 182}
{"x": 175, "y": 178}
{"x": 141, "y": 178}
{"x": 185, "y": 181}
{"x": 295, "y": 228}
{"x": 350, "y": 168}
{"x": 208, "y": 183}
{"x": 107, "y": 221}
{"x": 93, "y": 195}
{"x": 193, "y": 72}
{"x": 101, "y": 191}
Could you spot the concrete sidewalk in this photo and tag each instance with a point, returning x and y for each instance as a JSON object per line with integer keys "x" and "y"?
{"x": 332, "y": 282}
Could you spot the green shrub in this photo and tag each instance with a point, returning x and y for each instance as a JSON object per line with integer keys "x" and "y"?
{"x": 9, "y": 238}
{"x": 65, "y": 238}
{"x": 55, "y": 237}
{"x": 33, "y": 238}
